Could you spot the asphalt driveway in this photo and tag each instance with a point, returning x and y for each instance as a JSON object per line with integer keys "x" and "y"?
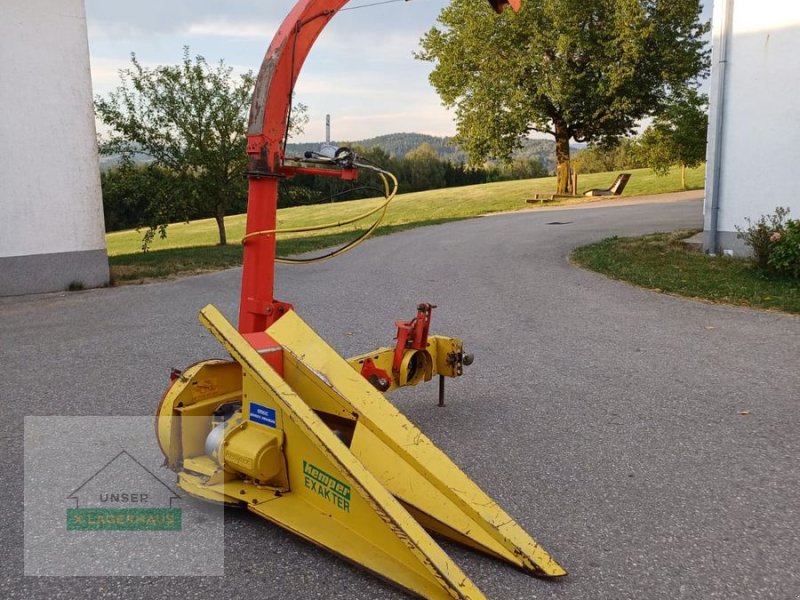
{"x": 649, "y": 442}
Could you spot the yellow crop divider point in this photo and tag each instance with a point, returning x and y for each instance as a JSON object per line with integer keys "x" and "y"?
{"x": 322, "y": 453}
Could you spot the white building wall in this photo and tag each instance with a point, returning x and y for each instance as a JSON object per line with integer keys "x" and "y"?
{"x": 51, "y": 212}
{"x": 760, "y": 107}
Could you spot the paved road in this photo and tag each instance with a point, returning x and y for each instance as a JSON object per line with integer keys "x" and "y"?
{"x": 605, "y": 418}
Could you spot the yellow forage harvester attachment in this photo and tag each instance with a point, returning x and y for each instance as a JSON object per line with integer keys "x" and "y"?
{"x": 306, "y": 439}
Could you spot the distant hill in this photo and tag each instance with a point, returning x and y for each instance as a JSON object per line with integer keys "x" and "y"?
{"x": 400, "y": 144}
{"x": 112, "y": 160}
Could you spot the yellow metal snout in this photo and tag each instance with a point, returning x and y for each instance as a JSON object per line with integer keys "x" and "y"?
{"x": 319, "y": 451}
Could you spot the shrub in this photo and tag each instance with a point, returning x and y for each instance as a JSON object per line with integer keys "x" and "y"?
{"x": 762, "y": 235}
{"x": 785, "y": 255}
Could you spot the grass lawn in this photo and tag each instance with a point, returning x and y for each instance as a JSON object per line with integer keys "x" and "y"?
{"x": 660, "y": 262}
{"x": 191, "y": 247}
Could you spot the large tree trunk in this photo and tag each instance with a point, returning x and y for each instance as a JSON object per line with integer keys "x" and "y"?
{"x": 563, "y": 176}
{"x": 220, "y": 218}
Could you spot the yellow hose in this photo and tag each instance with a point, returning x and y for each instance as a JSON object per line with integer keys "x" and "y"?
{"x": 389, "y": 195}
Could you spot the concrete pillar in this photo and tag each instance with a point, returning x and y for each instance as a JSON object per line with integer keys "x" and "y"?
{"x": 51, "y": 210}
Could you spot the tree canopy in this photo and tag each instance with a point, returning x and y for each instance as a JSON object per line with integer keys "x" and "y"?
{"x": 677, "y": 134}
{"x": 586, "y": 70}
{"x": 190, "y": 119}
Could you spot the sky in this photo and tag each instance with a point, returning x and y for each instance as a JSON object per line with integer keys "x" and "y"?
{"x": 361, "y": 71}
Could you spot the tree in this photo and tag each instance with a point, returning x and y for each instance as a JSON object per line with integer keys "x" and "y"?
{"x": 133, "y": 194}
{"x": 624, "y": 153}
{"x": 585, "y": 70}
{"x": 523, "y": 168}
{"x": 677, "y": 135}
{"x": 424, "y": 170}
{"x": 189, "y": 119}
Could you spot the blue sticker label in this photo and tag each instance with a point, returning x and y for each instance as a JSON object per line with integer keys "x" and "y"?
{"x": 263, "y": 414}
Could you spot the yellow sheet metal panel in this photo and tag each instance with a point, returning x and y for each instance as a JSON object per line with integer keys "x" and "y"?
{"x": 445, "y": 350}
{"x": 196, "y": 392}
{"x": 400, "y": 478}
{"x": 389, "y": 560}
{"x": 326, "y": 507}
{"x": 315, "y": 391}
{"x": 410, "y": 445}
{"x": 434, "y": 509}
{"x": 233, "y": 492}
{"x": 203, "y": 465}
{"x": 331, "y": 492}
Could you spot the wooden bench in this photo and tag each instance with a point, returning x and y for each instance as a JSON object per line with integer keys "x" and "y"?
{"x": 541, "y": 198}
{"x": 616, "y": 188}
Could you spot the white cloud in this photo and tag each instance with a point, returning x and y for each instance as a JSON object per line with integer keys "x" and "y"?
{"x": 105, "y": 72}
{"x": 231, "y": 29}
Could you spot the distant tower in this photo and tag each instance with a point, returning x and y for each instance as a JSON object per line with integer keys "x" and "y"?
{"x": 327, "y": 129}
{"x": 51, "y": 210}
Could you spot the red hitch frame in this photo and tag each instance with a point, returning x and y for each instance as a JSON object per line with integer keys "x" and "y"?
{"x": 412, "y": 335}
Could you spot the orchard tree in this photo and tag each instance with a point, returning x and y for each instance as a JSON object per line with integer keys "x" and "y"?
{"x": 624, "y": 153}
{"x": 424, "y": 169}
{"x": 135, "y": 196}
{"x": 189, "y": 119}
{"x": 585, "y": 70}
{"x": 677, "y": 135}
